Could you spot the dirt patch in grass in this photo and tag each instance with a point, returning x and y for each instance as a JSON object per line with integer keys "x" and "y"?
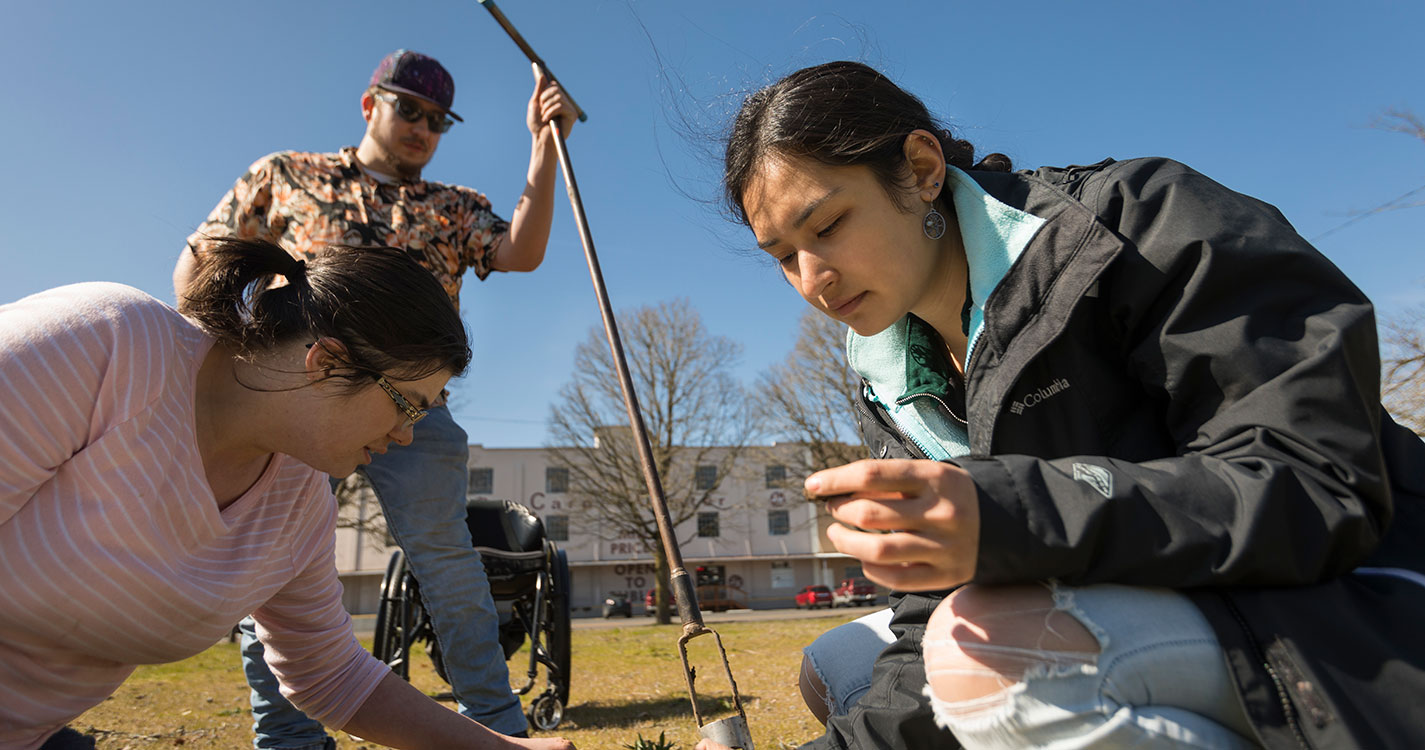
{"x": 626, "y": 682}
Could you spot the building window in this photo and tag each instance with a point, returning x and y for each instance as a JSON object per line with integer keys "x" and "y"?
{"x": 710, "y": 575}
{"x": 776, "y": 476}
{"x": 705, "y": 477}
{"x": 482, "y": 481}
{"x": 782, "y": 577}
{"x": 778, "y": 523}
{"x": 558, "y": 527}
{"x": 556, "y": 479}
{"x": 707, "y": 524}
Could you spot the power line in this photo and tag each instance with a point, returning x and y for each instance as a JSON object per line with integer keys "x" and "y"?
{"x": 1387, "y": 206}
{"x": 474, "y": 418}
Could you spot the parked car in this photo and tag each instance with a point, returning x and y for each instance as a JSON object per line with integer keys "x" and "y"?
{"x": 813, "y": 597}
{"x": 710, "y": 599}
{"x": 650, "y": 602}
{"x": 852, "y": 592}
{"x": 617, "y": 604}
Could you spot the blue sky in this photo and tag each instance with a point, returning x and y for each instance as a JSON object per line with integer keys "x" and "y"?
{"x": 123, "y": 123}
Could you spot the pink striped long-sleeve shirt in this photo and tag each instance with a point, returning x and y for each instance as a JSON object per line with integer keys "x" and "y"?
{"x": 113, "y": 551}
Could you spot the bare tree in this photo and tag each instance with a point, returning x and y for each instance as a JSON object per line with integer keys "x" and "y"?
{"x": 1402, "y": 121}
{"x": 1403, "y": 368}
{"x": 1403, "y": 335}
{"x": 810, "y": 399}
{"x": 357, "y": 507}
{"x": 695, "y": 412}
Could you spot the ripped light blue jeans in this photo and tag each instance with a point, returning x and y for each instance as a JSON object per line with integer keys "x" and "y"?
{"x": 1160, "y": 679}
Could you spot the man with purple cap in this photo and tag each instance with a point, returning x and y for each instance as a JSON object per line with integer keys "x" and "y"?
{"x": 373, "y": 194}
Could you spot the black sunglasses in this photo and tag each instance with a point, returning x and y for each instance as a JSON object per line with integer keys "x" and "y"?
{"x": 411, "y": 112}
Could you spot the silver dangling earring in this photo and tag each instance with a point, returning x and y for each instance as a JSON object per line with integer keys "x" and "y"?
{"x": 934, "y": 224}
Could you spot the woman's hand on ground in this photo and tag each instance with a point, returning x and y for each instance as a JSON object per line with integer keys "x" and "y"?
{"x": 543, "y": 744}
{"x": 913, "y": 524}
{"x": 397, "y": 714}
{"x": 707, "y": 744}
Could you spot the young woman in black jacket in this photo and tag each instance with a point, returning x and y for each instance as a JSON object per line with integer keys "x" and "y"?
{"x": 1129, "y": 445}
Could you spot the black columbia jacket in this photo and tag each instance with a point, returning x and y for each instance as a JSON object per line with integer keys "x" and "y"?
{"x": 1174, "y": 389}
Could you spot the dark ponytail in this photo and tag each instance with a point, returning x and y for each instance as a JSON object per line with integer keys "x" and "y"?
{"x": 839, "y": 114}
{"x": 389, "y": 311}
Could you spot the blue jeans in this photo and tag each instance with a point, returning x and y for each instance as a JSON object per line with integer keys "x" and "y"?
{"x": 843, "y": 657}
{"x": 1159, "y": 681}
{"x": 421, "y": 488}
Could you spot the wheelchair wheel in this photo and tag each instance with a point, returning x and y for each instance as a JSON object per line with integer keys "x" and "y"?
{"x": 545, "y": 713}
{"x": 396, "y": 616}
{"x": 558, "y": 629}
{"x": 437, "y": 660}
{"x": 381, "y": 646}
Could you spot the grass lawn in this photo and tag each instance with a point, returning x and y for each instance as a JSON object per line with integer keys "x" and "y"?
{"x": 626, "y": 682}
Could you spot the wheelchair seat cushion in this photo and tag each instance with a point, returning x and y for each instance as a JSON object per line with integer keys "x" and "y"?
{"x": 504, "y": 525}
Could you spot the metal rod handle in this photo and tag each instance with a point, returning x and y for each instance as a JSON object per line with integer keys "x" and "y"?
{"x": 687, "y": 601}
{"x": 684, "y": 592}
{"x": 528, "y": 50}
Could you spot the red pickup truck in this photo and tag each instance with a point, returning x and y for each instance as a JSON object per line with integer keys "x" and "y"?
{"x": 853, "y": 591}
{"x": 812, "y": 597}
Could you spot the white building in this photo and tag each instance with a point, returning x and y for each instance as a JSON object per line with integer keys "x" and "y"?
{"x": 760, "y": 535}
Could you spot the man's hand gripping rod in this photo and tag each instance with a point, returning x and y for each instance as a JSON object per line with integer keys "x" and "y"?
{"x": 731, "y": 731}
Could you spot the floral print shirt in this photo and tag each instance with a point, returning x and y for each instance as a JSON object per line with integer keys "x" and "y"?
{"x": 306, "y": 201}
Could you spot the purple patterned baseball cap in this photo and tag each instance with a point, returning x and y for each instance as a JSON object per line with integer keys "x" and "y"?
{"x": 415, "y": 74}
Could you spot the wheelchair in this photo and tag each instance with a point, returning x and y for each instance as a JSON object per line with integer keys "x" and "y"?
{"x": 529, "y": 579}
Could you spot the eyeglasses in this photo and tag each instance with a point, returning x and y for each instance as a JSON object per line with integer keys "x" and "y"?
{"x": 413, "y": 414}
{"x": 411, "y": 112}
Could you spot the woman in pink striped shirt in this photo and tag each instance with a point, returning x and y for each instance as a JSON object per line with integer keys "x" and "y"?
{"x": 163, "y": 474}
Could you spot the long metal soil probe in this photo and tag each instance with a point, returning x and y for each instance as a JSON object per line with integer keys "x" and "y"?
{"x": 733, "y": 730}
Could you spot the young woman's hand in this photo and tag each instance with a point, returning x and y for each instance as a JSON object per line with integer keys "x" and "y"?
{"x": 397, "y": 714}
{"x": 543, "y": 744}
{"x": 914, "y": 525}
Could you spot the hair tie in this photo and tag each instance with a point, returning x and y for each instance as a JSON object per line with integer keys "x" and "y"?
{"x": 296, "y": 271}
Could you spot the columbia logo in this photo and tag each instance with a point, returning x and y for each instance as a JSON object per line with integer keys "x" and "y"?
{"x": 1096, "y": 477}
{"x": 1039, "y": 395}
